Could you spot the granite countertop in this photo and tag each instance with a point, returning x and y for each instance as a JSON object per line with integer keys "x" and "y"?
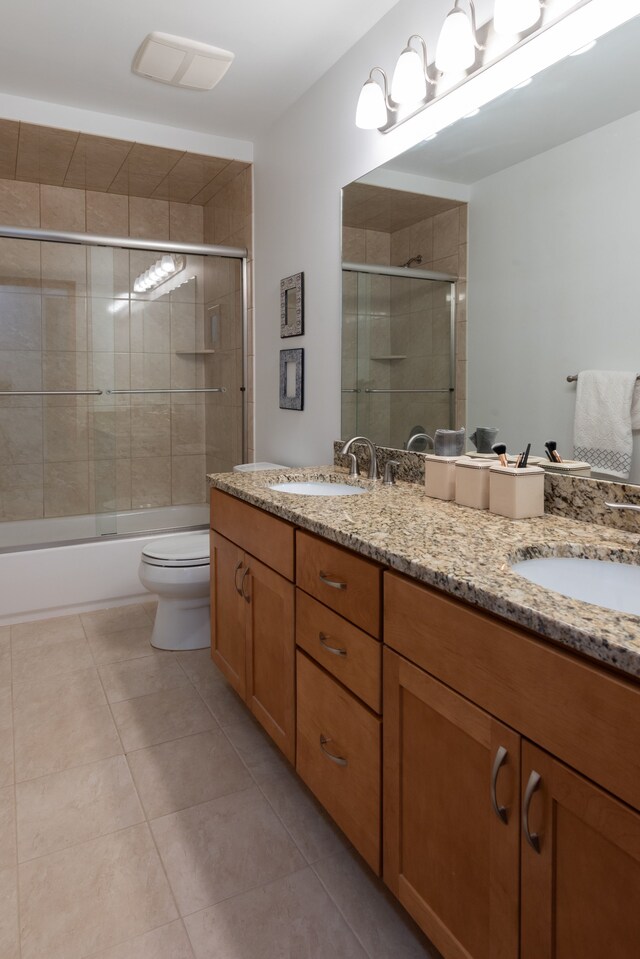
{"x": 464, "y": 552}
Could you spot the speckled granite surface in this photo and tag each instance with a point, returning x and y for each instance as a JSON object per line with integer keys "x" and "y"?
{"x": 464, "y": 552}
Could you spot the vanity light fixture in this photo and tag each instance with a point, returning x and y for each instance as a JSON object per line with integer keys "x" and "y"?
{"x": 373, "y": 103}
{"x": 515, "y": 16}
{"x": 411, "y": 77}
{"x": 161, "y": 271}
{"x": 458, "y": 42}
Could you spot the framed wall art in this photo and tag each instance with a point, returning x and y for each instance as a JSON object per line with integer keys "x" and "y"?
{"x": 291, "y": 379}
{"x": 292, "y": 305}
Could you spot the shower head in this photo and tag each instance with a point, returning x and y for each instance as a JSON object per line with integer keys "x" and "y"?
{"x": 413, "y": 259}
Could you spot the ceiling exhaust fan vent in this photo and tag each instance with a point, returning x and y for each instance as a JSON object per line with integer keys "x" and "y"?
{"x": 181, "y": 62}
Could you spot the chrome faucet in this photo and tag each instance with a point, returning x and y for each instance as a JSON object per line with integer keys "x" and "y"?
{"x": 373, "y": 463}
{"x": 629, "y": 506}
{"x": 419, "y": 436}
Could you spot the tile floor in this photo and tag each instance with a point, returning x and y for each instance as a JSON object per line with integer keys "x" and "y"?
{"x": 145, "y": 815}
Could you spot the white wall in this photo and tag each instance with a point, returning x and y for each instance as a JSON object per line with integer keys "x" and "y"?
{"x": 554, "y": 246}
{"x": 301, "y": 165}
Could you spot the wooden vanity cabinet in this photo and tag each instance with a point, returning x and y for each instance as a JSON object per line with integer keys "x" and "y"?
{"x": 561, "y": 877}
{"x": 253, "y": 613}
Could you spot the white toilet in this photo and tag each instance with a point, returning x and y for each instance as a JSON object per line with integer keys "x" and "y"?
{"x": 176, "y": 568}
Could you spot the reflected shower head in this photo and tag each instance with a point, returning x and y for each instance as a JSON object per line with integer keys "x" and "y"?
{"x": 413, "y": 259}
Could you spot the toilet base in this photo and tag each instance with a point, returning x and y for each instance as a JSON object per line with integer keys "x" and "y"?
{"x": 182, "y": 624}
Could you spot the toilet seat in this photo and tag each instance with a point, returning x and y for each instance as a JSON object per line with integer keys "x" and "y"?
{"x": 178, "y": 551}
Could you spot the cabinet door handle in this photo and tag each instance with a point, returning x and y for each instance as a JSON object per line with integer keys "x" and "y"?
{"x": 331, "y": 649}
{"x": 241, "y": 590}
{"x": 499, "y": 761}
{"x": 235, "y": 577}
{"x": 532, "y": 837}
{"x": 334, "y": 583}
{"x": 339, "y": 760}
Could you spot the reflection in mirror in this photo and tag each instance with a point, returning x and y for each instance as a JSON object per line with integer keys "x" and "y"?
{"x": 548, "y": 177}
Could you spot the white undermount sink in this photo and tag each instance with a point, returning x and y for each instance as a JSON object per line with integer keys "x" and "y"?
{"x": 317, "y": 488}
{"x": 612, "y": 585}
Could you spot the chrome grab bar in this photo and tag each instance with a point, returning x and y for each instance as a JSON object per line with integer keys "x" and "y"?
{"x": 574, "y": 378}
{"x": 449, "y": 389}
{"x": 51, "y": 392}
{"x": 218, "y": 389}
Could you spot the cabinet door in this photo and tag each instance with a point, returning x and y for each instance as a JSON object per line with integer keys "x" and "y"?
{"x": 451, "y": 823}
{"x": 270, "y": 649}
{"x": 581, "y": 884}
{"x": 228, "y": 611}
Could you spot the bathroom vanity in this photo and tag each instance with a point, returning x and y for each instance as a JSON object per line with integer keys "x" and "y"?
{"x": 475, "y": 736}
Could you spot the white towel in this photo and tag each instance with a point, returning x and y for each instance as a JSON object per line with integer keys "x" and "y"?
{"x": 602, "y": 431}
{"x": 635, "y": 407}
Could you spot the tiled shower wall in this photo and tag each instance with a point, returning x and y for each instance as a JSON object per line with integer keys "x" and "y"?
{"x": 111, "y": 454}
{"x": 420, "y": 323}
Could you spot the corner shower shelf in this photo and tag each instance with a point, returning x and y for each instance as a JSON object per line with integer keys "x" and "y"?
{"x": 390, "y": 357}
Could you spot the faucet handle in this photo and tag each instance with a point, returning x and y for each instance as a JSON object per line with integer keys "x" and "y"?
{"x": 630, "y": 506}
{"x": 353, "y": 464}
{"x": 389, "y": 474}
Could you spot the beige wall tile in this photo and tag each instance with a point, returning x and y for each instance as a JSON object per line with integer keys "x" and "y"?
{"x": 377, "y": 247}
{"x": 186, "y": 223}
{"x": 62, "y": 209}
{"x": 107, "y": 214}
{"x": 151, "y": 430}
{"x": 21, "y": 436}
{"x": 64, "y": 269}
{"x": 9, "y": 933}
{"x": 75, "y": 805}
{"x": 19, "y": 203}
{"x": 187, "y": 430}
{"x": 64, "y": 323}
{"x": 446, "y": 233}
{"x": 8, "y": 824}
{"x": 9, "y": 133}
{"x": 66, "y": 488}
{"x": 66, "y": 435}
{"x": 148, "y": 219}
{"x": 59, "y": 894}
{"x": 20, "y": 262}
{"x": 188, "y": 479}
{"x": 150, "y": 481}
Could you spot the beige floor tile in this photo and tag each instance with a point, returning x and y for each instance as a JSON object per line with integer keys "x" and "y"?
{"x": 31, "y": 661}
{"x": 91, "y": 896}
{"x": 139, "y": 677}
{"x": 69, "y": 692}
{"x": 187, "y": 771}
{"x": 7, "y": 828}
{"x": 5, "y": 657}
{"x": 47, "y": 631}
{"x": 310, "y": 827}
{"x": 199, "y": 666}
{"x": 290, "y": 917}
{"x": 223, "y": 701}
{"x": 379, "y": 922}
{"x": 9, "y": 934}
{"x": 263, "y": 759}
{"x": 222, "y": 848}
{"x": 150, "y": 609}
{"x": 166, "y": 942}
{"x": 6, "y": 757}
{"x": 62, "y": 740}
{"x": 123, "y": 645}
{"x": 105, "y": 621}
{"x": 158, "y": 717}
{"x": 75, "y": 805}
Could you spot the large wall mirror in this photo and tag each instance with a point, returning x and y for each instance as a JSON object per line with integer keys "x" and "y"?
{"x": 484, "y": 267}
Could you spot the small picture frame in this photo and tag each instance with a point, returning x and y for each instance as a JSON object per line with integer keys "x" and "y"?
{"x": 291, "y": 379}
{"x": 292, "y": 305}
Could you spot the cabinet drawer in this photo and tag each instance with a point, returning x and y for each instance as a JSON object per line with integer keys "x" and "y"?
{"x": 582, "y": 714}
{"x": 338, "y": 756}
{"x": 338, "y": 578}
{"x": 269, "y": 539}
{"x": 350, "y": 655}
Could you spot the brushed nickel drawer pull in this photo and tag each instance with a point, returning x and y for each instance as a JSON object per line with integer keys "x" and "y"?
{"x": 334, "y": 583}
{"x": 499, "y": 761}
{"x": 330, "y": 649}
{"x": 532, "y": 837}
{"x": 242, "y": 592}
{"x": 235, "y": 577}
{"x": 339, "y": 760}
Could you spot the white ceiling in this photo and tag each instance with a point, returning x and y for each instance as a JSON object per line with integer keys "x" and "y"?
{"x": 79, "y": 54}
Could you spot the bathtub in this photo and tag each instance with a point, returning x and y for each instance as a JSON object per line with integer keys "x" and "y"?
{"x": 41, "y": 576}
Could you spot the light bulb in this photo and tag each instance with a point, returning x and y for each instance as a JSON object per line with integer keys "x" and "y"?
{"x": 515, "y": 16}
{"x": 409, "y": 84}
{"x": 168, "y": 264}
{"x": 456, "y": 50}
{"x": 371, "y": 112}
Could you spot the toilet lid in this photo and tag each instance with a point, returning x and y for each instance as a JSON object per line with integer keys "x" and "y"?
{"x": 191, "y": 550}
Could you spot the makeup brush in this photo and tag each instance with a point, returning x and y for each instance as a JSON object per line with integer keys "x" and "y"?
{"x": 553, "y": 454}
{"x": 525, "y": 457}
{"x": 500, "y": 449}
